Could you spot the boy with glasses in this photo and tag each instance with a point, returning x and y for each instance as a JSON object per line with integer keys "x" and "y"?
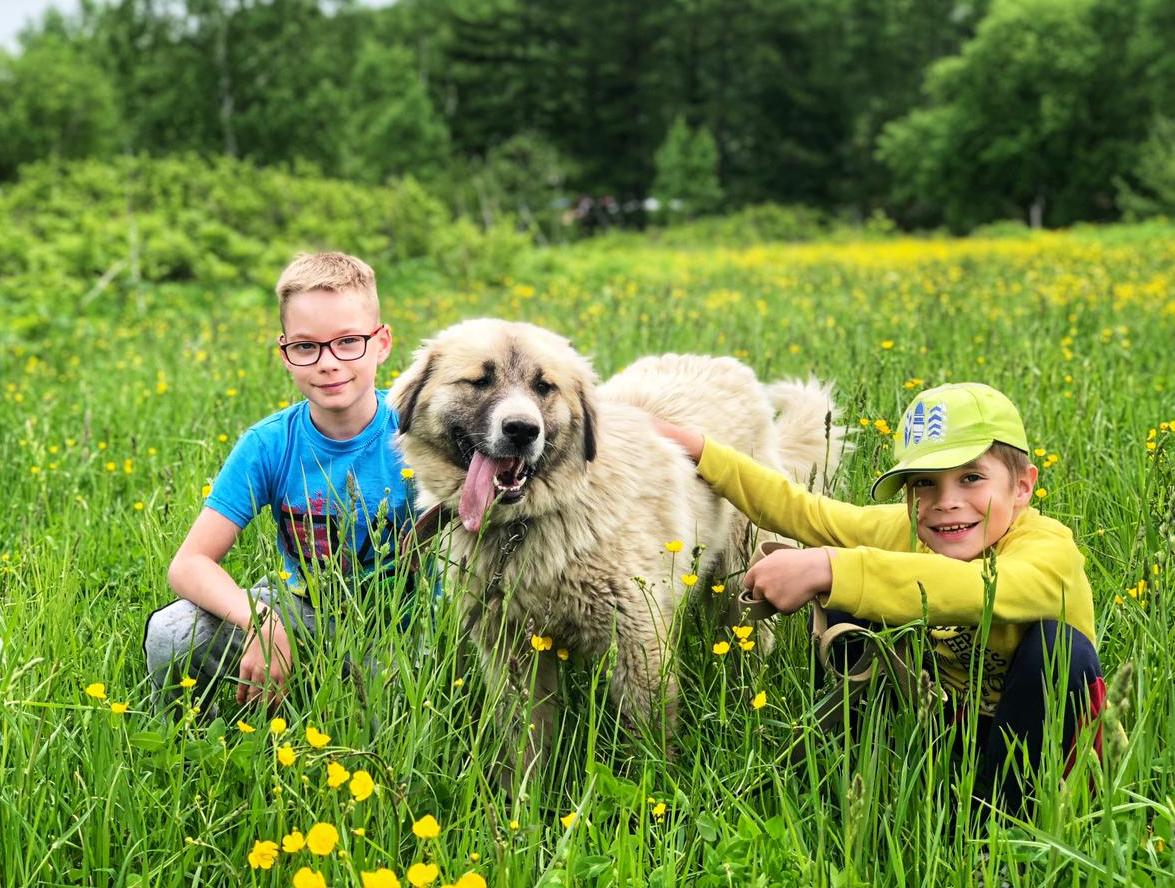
{"x": 327, "y": 468}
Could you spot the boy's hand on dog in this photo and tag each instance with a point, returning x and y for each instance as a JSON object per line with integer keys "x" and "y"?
{"x": 691, "y": 442}
{"x": 790, "y": 578}
{"x": 265, "y": 663}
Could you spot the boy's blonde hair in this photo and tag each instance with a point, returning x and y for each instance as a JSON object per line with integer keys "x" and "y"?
{"x": 333, "y": 272}
{"x": 1015, "y": 459}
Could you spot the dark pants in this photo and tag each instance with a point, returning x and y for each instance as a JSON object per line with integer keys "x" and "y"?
{"x": 1018, "y": 721}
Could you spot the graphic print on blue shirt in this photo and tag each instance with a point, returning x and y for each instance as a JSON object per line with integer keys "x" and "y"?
{"x": 324, "y": 494}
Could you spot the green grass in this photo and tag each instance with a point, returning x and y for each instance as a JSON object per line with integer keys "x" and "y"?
{"x": 114, "y": 418}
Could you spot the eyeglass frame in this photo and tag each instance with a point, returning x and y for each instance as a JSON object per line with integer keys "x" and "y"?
{"x": 329, "y": 344}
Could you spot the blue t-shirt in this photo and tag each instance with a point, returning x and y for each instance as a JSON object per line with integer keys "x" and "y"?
{"x": 325, "y": 495}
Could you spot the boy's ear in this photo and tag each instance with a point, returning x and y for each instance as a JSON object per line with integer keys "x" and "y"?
{"x": 1026, "y": 484}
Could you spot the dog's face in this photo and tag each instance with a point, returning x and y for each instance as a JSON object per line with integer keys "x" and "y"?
{"x": 497, "y": 413}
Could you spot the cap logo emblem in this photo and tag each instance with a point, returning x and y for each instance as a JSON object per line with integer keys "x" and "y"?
{"x": 925, "y": 424}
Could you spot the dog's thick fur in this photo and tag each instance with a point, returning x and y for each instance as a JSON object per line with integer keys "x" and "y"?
{"x": 581, "y": 556}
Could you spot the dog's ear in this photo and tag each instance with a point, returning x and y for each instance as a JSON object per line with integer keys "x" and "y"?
{"x": 406, "y": 391}
{"x": 588, "y": 406}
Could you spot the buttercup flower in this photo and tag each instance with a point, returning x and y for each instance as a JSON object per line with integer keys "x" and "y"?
{"x": 381, "y": 878}
{"x": 316, "y": 738}
{"x": 674, "y": 546}
{"x": 294, "y": 842}
{"x": 119, "y": 708}
{"x": 426, "y": 827}
{"x": 336, "y": 775}
{"x": 470, "y": 880}
{"x": 659, "y": 810}
{"x": 245, "y": 727}
{"x": 97, "y": 690}
{"x": 741, "y": 632}
{"x": 569, "y": 820}
{"x": 362, "y": 786}
{"x": 278, "y": 725}
{"x": 263, "y": 855}
{"x": 407, "y": 474}
{"x": 562, "y": 653}
{"x": 720, "y": 648}
{"x": 322, "y": 838}
{"x": 187, "y": 682}
{"x": 689, "y": 580}
{"x": 718, "y": 588}
{"x": 747, "y": 644}
{"x": 759, "y": 700}
{"x": 308, "y": 878}
{"x": 541, "y": 642}
{"x": 422, "y": 874}
{"x": 286, "y": 755}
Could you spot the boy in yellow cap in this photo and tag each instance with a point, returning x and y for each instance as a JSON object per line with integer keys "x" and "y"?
{"x": 962, "y": 458}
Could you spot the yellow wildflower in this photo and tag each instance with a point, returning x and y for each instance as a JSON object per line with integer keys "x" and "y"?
{"x": 119, "y": 708}
{"x": 278, "y": 725}
{"x": 187, "y": 682}
{"x": 470, "y": 880}
{"x": 245, "y": 727}
{"x": 689, "y": 580}
{"x": 659, "y": 810}
{"x": 673, "y": 546}
{"x": 322, "y": 838}
{"x": 569, "y": 820}
{"x": 97, "y": 690}
{"x": 759, "y": 700}
{"x": 422, "y": 874}
{"x": 263, "y": 855}
{"x": 286, "y": 755}
{"x": 426, "y": 827}
{"x": 294, "y": 842}
{"x": 1041, "y": 493}
{"x": 720, "y": 648}
{"x": 316, "y": 738}
{"x": 362, "y": 786}
{"x": 336, "y": 775}
{"x": 206, "y": 490}
{"x": 407, "y": 474}
{"x": 887, "y": 344}
{"x": 381, "y": 878}
{"x": 718, "y": 588}
{"x": 308, "y": 878}
{"x": 514, "y": 825}
{"x": 541, "y": 642}
{"x": 742, "y": 632}
{"x": 562, "y": 653}
{"x": 747, "y": 644}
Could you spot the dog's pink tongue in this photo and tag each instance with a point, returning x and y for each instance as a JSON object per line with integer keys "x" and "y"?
{"x": 478, "y": 492}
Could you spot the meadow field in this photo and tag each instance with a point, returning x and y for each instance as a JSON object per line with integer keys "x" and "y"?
{"x": 117, "y": 409}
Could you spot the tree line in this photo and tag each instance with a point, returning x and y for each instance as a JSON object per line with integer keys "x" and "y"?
{"x": 934, "y": 112}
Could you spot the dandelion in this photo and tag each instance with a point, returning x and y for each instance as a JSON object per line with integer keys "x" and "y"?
{"x": 562, "y": 653}
{"x": 407, "y": 474}
{"x": 245, "y": 727}
{"x": 308, "y": 878}
{"x": 568, "y": 820}
{"x": 470, "y": 880}
{"x": 721, "y": 648}
{"x": 316, "y": 738}
{"x": 689, "y": 580}
{"x": 759, "y": 700}
{"x": 263, "y": 855}
{"x": 322, "y": 838}
{"x": 286, "y": 755}
{"x": 277, "y": 726}
{"x": 422, "y": 874}
{"x": 119, "y": 708}
{"x": 381, "y": 878}
{"x": 97, "y": 690}
{"x": 865, "y": 422}
{"x": 674, "y": 546}
{"x": 426, "y": 827}
{"x": 742, "y": 632}
{"x": 362, "y": 786}
{"x": 718, "y": 588}
{"x": 541, "y": 642}
{"x": 336, "y": 775}
{"x": 187, "y": 682}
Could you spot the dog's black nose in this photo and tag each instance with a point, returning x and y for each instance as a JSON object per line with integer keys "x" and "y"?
{"x": 521, "y": 432}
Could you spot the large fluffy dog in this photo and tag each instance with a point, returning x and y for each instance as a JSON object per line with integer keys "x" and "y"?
{"x": 567, "y": 496}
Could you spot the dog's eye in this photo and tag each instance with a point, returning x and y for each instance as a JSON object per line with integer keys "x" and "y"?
{"x": 481, "y": 382}
{"x": 543, "y": 388}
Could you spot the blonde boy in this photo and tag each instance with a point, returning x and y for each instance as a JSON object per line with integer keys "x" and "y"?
{"x": 962, "y": 459}
{"x": 329, "y": 472}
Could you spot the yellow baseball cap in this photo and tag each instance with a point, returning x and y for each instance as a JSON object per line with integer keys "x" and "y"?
{"x": 947, "y": 427}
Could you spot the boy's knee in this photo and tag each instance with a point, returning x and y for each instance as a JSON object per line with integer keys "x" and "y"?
{"x": 169, "y": 630}
{"x": 1061, "y": 645}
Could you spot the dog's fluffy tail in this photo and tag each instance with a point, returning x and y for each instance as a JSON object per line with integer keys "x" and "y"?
{"x": 812, "y": 440}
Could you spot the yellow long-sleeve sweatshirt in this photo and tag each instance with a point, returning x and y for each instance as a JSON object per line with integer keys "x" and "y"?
{"x": 876, "y": 572}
